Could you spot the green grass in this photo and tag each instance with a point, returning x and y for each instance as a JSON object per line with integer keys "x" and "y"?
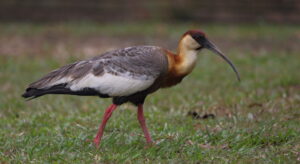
{"x": 257, "y": 120}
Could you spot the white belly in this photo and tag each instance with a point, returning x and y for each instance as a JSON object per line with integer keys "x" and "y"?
{"x": 111, "y": 85}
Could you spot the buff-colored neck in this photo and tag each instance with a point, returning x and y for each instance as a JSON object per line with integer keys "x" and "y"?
{"x": 185, "y": 60}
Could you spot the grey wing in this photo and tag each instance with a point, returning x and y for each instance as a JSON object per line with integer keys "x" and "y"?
{"x": 63, "y": 75}
{"x": 116, "y": 73}
{"x": 140, "y": 62}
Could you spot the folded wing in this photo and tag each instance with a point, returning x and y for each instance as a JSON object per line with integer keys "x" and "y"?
{"x": 116, "y": 73}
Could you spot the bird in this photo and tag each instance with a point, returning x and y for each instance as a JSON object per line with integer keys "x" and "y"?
{"x": 127, "y": 75}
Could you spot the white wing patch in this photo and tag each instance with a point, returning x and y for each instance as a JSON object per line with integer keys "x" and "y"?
{"x": 111, "y": 84}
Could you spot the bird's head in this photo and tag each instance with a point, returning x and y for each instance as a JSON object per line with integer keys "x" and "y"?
{"x": 196, "y": 40}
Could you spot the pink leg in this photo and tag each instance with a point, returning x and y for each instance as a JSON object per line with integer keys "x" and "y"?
{"x": 143, "y": 123}
{"x": 106, "y": 117}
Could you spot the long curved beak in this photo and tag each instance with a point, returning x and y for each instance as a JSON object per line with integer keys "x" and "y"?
{"x": 209, "y": 45}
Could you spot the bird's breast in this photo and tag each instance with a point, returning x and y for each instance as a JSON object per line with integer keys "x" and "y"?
{"x": 171, "y": 80}
{"x": 179, "y": 67}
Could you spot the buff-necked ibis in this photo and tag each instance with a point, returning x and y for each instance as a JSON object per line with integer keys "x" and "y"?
{"x": 126, "y": 75}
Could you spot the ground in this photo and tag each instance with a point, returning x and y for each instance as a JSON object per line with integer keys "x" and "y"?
{"x": 252, "y": 121}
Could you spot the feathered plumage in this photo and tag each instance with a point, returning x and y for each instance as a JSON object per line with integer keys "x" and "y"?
{"x": 117, "y": 73}
{"x": 126, "y": 75}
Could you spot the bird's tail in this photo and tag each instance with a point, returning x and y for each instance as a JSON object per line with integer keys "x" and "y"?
{"x": 32, "y": 93}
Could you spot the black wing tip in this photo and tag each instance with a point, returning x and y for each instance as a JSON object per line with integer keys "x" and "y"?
{"x": 26, "y": 93}
{"x": 30, "y": 94}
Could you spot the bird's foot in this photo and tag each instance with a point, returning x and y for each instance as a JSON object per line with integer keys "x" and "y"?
{"x": 148, "y": 137}
{"x": 96, "y": 142}
{"x": 149, "y": 144}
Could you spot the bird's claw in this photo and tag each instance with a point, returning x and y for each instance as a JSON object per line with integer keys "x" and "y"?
{"x": 96, "y": 142}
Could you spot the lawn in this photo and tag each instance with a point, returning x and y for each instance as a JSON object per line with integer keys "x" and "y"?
{"x": 256, "y": 120}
